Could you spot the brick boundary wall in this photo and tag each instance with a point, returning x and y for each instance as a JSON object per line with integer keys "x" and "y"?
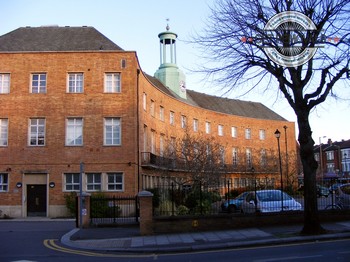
{"x": 178, "y": 224}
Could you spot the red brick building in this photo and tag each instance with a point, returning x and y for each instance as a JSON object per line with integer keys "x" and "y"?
{"x": 69, "y": 95}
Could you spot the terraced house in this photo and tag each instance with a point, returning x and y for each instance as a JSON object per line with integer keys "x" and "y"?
{"x": 69, "y": 96}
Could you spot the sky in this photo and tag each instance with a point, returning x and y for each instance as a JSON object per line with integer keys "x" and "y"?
{"x": 134, "y": 25}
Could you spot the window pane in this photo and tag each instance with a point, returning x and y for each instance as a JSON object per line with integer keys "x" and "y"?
{"x": 37, "y": 132}
{"x": 115, "y": 181}
{"x": 75, "y": 83}
{"x": 3, "y": 182}
{"x": 3, "y": 132}
{"x": 112, "y": 131}
{"x": 39, "y": 83}
{"x": 4, "y": 83}
{"x": 74, "y": 132}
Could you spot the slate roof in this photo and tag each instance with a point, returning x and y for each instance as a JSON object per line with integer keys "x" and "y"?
{"x": 222, "y": 104}
{"x": 234, "y": 106}
{"x": 54, "y": 38}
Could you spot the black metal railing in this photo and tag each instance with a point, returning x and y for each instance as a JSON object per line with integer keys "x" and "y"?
{"x": 113, "y": 210}
{"x": 199, "y": 198}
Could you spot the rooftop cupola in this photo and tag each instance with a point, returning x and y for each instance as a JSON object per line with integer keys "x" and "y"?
{"x": 168, "y": 72}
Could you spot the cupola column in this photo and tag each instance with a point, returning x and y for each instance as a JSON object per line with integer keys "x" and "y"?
{"x": 168, "y": 72}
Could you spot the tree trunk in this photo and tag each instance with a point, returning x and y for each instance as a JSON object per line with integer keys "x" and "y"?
{"x": 312, "y": 224}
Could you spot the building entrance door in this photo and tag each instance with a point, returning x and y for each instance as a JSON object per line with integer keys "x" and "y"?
{"x": 36, "y": 200}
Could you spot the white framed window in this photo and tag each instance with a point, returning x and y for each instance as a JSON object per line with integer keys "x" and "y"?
{"x": 71, "y": 182}
{"x": 196, "y": 149}
{"x": 172, "y": 147}
{"x": 161, "y": 145}
{"x": 234, "y": 131}
{"x": 38, "y": 83}
{"x": 112, "y": 83}
{"x": 152, "y": 109}
{"x": 172, "y": 118}
{"x": 145, "y": 139}
{"x": 161, "y": 113}
{"x": 330, "y": 167}
{"x": 195, "y": 125}
{"x": 4, "y": 182}
{"x": 248, "y": 134}
{"x": 262, "y": 134}
{"x": 144, "y": 101}
{"x": 74, "y": 132}
{"x": 3, "y": 132}
{"x": 4, "y": 83}
{"x": 36, "y": 132}
{"x": 183, "y": 121}
{"x": 93, "y": 181}
{"x": 222, "y": 155}
{"x": 75, "y": 83}
{"x": 112, "y": 131}
{"x": 263, "y": 158}
{"x": 153, "y": 141}
{"x": 234, "y": 156}
{"x": 207, "y": 127}
{"x": 208, "y": 152}
{"x": 220, "y": 130}
{"x": 330, "y": 155}
{"x": 249, "y": 157}
{"x": 115, "y": 181}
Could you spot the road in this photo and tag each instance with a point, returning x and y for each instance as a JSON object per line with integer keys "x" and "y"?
{"x": 39, "y": 241}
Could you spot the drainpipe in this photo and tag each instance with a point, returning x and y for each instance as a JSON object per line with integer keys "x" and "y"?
{"x": 138, "y": 129}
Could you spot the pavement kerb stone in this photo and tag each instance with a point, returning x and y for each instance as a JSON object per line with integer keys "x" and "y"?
{"x": 188, "y": 247}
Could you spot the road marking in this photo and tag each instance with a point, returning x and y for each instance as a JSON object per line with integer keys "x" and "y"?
{"x": 286, "y": 258}
{"x": 50, "y": 243}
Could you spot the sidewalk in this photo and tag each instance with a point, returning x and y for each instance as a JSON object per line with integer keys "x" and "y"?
{"x": 129, "y": 240}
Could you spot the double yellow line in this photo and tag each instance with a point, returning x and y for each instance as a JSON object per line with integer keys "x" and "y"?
{"x": 50, "y": 243}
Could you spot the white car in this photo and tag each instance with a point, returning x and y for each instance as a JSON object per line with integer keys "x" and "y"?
{"x": 269, "y": 201}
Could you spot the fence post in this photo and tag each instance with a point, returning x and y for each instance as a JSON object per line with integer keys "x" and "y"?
{"x": 85, "y": 209}
{"x": 146, "y": 212}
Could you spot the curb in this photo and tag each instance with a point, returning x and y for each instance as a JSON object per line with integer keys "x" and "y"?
{"x": 215, "y": 245}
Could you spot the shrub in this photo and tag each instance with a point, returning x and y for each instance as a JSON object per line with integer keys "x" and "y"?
{"x": 70, "y": 200}
{"x": 103, "y": 206}
{"x": 156, "y": 196}
{"x": 182, "y": 210}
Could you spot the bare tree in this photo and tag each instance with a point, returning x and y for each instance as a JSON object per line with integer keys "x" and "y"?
{"x": 200, "y": 159}
{"x": 240, "y": 47}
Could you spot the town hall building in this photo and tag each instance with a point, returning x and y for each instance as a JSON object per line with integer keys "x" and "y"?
{"x": 71, "y": 99}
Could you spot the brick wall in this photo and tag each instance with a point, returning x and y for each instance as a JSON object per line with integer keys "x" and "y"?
{"x": 55, "y": 158}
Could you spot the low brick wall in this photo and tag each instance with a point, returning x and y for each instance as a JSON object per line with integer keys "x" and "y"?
{"x": 178, "y": 224}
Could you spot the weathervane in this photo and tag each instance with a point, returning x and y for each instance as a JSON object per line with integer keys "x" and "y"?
{"x": 167, "y": 25}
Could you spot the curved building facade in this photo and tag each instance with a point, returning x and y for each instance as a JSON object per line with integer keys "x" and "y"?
{"x": 71, "y": 98}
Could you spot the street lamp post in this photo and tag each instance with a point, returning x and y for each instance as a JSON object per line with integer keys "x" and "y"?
{"x": 278, "y": 135}
{"x": 346, "y": 163}
{"x": 287, "y": 168}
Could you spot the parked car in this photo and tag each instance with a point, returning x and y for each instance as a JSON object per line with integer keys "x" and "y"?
{"x": 268, "y": 201}
{"x": 343, "y": 196}
{"x": 334, "y": 187}
{"x": 322, "y": 191}
{"x": 234, "y": 204}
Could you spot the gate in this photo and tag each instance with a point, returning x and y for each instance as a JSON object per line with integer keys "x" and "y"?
{"x": 114, "y": 211}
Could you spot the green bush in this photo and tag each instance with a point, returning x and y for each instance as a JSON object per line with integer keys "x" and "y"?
{"x": 100, "y": 206}
{"x": 166, "y": 208}
{"x": 70, "y": 200}
{"x": 182, "y": 210}
{"x": 156, "y": 196}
